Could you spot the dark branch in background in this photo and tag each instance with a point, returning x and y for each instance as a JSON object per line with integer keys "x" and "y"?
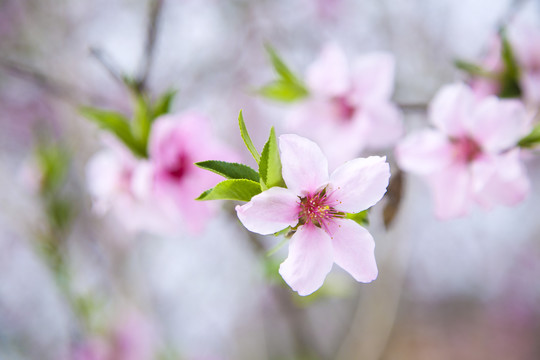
{"x": 107, "y": 63}
{"x": 148, "y": 58}
{"x": 412, "y": 107}
{"x": 63, "y": 91}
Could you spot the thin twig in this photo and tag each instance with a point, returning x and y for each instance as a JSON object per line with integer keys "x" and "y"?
{"x": 151, "y": 35}
{"x": 413, "y": 107}
{"x": 107, "y": 63}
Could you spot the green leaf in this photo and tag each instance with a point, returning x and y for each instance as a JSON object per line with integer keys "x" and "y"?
{"x": 361, "y": 218}
{"x": 247, "y": 140}
{"x": 474, "y": 69}
{"x": 117, "y": 124}
{"x": 163, "y": 104}
{"x": 270, "y": 164}
{"x": 233, "y": 189}
{"x": 229, "y": 170}
{"x": 280, "y": 67}
{"x": 282, "y": 90}
{"x": 532, "y": 139}
{"x": 510, "y": 87}
{"x": 140, "y": 126}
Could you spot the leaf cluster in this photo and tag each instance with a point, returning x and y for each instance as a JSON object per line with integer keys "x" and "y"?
{"x": 133, "y": 133}
{"x": 287, "y": 87}
{"x": 243, "y": 182}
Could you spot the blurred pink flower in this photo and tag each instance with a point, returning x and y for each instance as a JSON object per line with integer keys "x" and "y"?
{"x": 109, "y": 175}
{"x": 315, "y": 205}
{"x": 492, "y": 62}
{"x": 349, "y": 106}
{"x": 170, "y": 178}
{"x": 471, "y": 155}
{"x": 525, "y": 40}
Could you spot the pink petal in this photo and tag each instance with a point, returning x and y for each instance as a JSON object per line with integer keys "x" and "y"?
{"x": 310, "y": 259}
{"x": 451, "y": 109}
{"x": 270, "y": 211}
{"x": 329, "y": 74}
{"x": 304, "y": 167}
{"x": 424, "y": 152}
{"x": 354, "y": 250}
{"x": 359, "y": 184}
{"x": 530, "y": 83}
{"x": 498, "y": 124}
{"x": 373, "y": 77}
{"x": 500, "y": 180}
{"x": 382, "y": 122}
{"x": 451, "y": 191}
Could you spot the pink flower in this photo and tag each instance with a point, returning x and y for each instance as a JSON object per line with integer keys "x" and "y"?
{"x": 315, "y": 204}
{"x": 525, "y": 40}
{"x": 110, "y": 175}
{"x": 349, "y": 107}
{"x": 170, "y": 178}
{"x": 471, "y": 155}
{"x": 492, "y": 62}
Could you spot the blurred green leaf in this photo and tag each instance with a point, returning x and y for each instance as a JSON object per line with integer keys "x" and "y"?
{"x": 361, "y": 218}
{"x": 532, "y": 139}
{"x": 117, "y": 124}
{"x": 474, "y": 69}
{"x": 163, "y": 104}
{"x": 232, "y": 189}
{"x": 270, "y": 164}
{"x": 229, "y": 170}
{"x": 247, "y": 140}
{"x": 280, "y": 67}
{"x": 284, "y": 91}
{"x": 510, "y": 87}
{"x": 140, "y": 126}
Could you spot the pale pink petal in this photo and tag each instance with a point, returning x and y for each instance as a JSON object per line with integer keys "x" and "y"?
{"x": 451, "y": 191}
{"x": 451, "y": 109}
{"x": 310, "y": 259}
{"x": 359, "y": 184}
{"x": 304, "y": 166}
{"x": 382, "y": 124}
{"x": 498, "y": 124}
{"x": 354, "y": 250}
{"x": 317, "y": 119}
{"x": 530, "y": 84}
{"x": 103, "y": 173}
{"x": 500, "y": 180}
{"x": 328, "y": 76}
{"x": 270, "y": 211}
{"x": 424, "y": 152}
{"x": 373, "y": 77}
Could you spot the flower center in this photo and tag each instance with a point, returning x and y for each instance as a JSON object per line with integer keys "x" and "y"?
{"x": 317, "y": 209}
{"x": 178, "y": 168}
{"x": 467, "y": 149}
{"x": 345, "y": 110}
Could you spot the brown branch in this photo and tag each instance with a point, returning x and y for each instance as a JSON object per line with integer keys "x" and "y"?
{"x": 146, "y": 64}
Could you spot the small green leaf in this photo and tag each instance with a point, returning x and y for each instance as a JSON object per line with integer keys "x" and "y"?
{"x": 163, "y": 104}
{"x": 361, "y": 218}
{"x": 510, "y": 87}
{"x": 532, "y": 139}
{"x": 247, "y": 140}
{"x": 233, "y": 189}
{"x": 117, "y": 124}
{"x": 140, "y": 126}
{"x": 229, "y": 170}
{"x": 474, "y": 69}
{"x": 270, "y": 164}
{"x": 280, "y": 67}
{"x": 284, "y": 91}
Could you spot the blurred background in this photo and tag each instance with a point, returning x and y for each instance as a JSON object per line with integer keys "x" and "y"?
{"x": 75, "y": 285}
